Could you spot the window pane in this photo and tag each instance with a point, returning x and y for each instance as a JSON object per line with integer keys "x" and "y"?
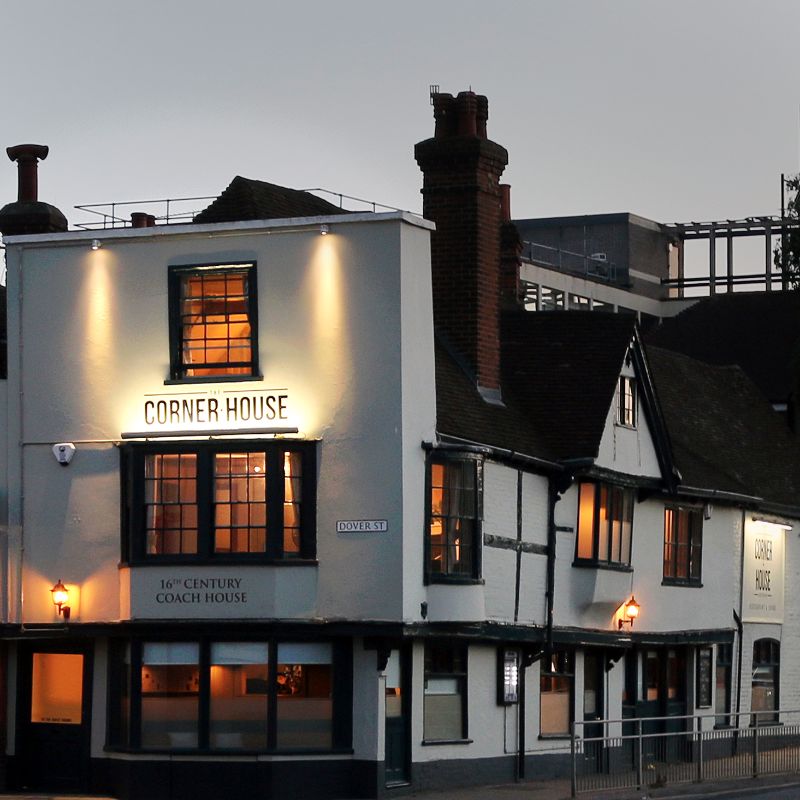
{"x": 57, "y": 688}
{"x": 555, "y": 694}
{"x": 240, "y": 518}
{"x": 292, "y": 497}
{"x": 586, "y": 521}
{"x": 170, "y": 676}
{"x": 305, "y": 705}
{"x": 444, "y": 692}
{"x": 170, "y": 507}
{"x": 238, "y": 706}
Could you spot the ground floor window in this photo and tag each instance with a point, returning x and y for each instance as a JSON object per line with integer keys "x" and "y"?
{"x": 722, "y": 697}
{"x": 445, "y": 701}
{"x": 231, "y": 695}
{"x": 766, "y": 672}
{"x": 555, "y": 694}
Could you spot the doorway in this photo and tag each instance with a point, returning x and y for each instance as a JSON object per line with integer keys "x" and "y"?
{"x": 397, "y": 749}
{"x": 54, "y": 717}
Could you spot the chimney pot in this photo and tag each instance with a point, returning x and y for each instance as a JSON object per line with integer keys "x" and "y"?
{"x": 140, "y": 219}
{"x": 27, "y": 157}
{"x": 467, "y": 114}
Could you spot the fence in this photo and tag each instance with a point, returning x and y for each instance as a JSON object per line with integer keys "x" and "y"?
{"x": 633, "y": 753}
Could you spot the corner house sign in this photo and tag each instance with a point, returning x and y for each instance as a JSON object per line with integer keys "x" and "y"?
{"x": 762, "y": 579}
{"x": 213, "y": 411}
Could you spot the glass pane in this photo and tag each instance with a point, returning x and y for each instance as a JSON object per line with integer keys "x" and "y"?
{"x": 586, "y": 521}
{"x": 305, "y": 705}
{"x": 57, "y": 688}
{"x": 239, "y": 681}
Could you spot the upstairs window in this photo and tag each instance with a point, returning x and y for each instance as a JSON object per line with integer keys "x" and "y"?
{"x": 626, "y": 402}
{"x": 219, "y": 501}
{"x": 605, "y": 524}
{"x": 683, "y": 545}
{"x": 453, "y": 537}
{"x": 213, "y": 321}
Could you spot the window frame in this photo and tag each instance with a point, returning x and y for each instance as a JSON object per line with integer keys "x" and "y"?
{"x": 474, "y": 576}
{"x": 723, "y": 667}
{"x": 627, "y": 499}
{"x": 693, "y": 545}
{"x": 767, "y": 654}
{"x": 565, "y": 669}
{"x": 462, "y": 681}
{"x": 626, "y": 412}
{"x": 176, "y": 274}
{"x": 128, "y": 738}
{"x": 134, "y": 536}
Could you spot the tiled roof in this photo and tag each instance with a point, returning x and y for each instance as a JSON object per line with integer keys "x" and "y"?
{"x": 565, "y": 367}
{"x": 724, "y": 433}
{"x": 758, "y": 331}
{"x": 248, "y": 199}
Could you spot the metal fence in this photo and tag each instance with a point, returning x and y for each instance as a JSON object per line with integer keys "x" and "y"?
{"x": 658, "y": 751}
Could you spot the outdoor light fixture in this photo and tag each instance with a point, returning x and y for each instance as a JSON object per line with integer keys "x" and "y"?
{"x": 780, "y": 525}
{"x": 60, "y": 597}
{"x": 96, "y": 245}
{"x": 630, "y": 611}
{"x": 324, "y": 230}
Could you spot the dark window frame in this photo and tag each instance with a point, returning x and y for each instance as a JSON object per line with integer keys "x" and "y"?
{"x": 452, "y": 649}
{"x": 767, "y": 654}
{"x": 723, "y": 667}
{"x": 627, "y": 402}
{"x": 118, "y": 738}
{"x": 474, "y": 576}
{"x": 683, "y": 556}
{"x": 134, "y": 537}
{"x": 620, "y": 498}
{"x": 178, "y": 369}
{"x": 564, "y": 669}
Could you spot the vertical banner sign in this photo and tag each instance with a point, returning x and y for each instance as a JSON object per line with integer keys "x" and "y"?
{"x": 762, "y": 580}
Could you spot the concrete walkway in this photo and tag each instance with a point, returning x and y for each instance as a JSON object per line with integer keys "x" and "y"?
{"x": 550, "y": 790}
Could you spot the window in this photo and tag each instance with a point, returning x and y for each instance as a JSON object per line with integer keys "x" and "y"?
{"x": 722, "y": 697}
{"x": 454, "y": 500}
{"x": 605, "y": 524}
{"x": 445, "y": 700}
{"x": 766, "y": 673}
{"x": 213, "y": 321}
{"x": 555, "y": 694}
{"x": 683, "y": 545}
{"x": 220, "y": 500}
{"x": 232, "y": 696}
{"x": 626, "y": 402}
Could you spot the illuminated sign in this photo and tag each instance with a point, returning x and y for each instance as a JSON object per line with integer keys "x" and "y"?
{"x": 762, "y": 579}
{"x": 508, "y": 669}
{"x": 213, "y": 410}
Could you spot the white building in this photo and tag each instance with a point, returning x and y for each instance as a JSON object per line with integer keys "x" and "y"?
{"x": 330, "y": 520}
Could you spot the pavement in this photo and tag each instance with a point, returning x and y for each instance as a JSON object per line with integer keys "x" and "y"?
{"x": 560, "y": 790}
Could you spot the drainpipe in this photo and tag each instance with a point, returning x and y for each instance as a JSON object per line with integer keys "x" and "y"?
{"x": 527, "y": 658}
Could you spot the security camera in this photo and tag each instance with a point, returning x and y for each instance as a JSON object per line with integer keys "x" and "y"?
{"x": 63, "y": 451}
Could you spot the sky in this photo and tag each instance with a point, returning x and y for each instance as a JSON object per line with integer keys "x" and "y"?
{"x": 676, "y": 110}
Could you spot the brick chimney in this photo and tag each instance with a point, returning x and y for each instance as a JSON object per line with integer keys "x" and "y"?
{"x": 28, "y": 214}
{"x": 461, "y": 193}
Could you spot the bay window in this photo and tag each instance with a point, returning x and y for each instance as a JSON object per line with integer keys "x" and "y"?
{"x": 231, "y": 695}
{"x": 605, "y": 524}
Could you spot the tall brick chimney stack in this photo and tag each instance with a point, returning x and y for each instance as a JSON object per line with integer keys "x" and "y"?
{"x": 461, "y": 193}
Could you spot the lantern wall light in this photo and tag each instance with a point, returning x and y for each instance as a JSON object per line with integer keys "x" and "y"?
{"x": 60, "y": 599}
{"x": 630, "y": 610}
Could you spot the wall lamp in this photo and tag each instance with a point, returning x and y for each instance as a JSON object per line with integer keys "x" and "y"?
{"x": 324, "y": 230}
{"x": 780, "y": 525}
{"x": 96, "y": 244}
{"x": 60, "y": 598}
{"x": 630, "y": 611}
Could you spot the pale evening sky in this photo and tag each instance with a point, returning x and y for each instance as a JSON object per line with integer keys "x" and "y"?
{"x": 676, "y": 110}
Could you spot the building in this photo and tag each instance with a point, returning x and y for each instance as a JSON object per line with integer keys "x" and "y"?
{"x": 306, "y": 503}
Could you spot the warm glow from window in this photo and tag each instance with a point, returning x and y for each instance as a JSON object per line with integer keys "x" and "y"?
{"x": 57, "y": 688}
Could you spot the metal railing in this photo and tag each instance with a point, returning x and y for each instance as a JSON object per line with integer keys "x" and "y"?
{"x": 594, "y": 266}
{"x": 635, "y": 753}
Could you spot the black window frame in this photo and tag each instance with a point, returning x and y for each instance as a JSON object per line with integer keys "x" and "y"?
{"x": 178, "y": 369}
{"x": 127, "y": 738}
{"x": 474, "y": 576}
{"x": 134, "y": 537}
{"x": 690, "y": 554}
{"x": 767, "y": 654}
{"x": 559, "y": 666}
{"x": 452, "y": 663}
{"x": 723, "y": 668}
{"x": 626, "y": 498}
{"x": 626, "y": 415}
